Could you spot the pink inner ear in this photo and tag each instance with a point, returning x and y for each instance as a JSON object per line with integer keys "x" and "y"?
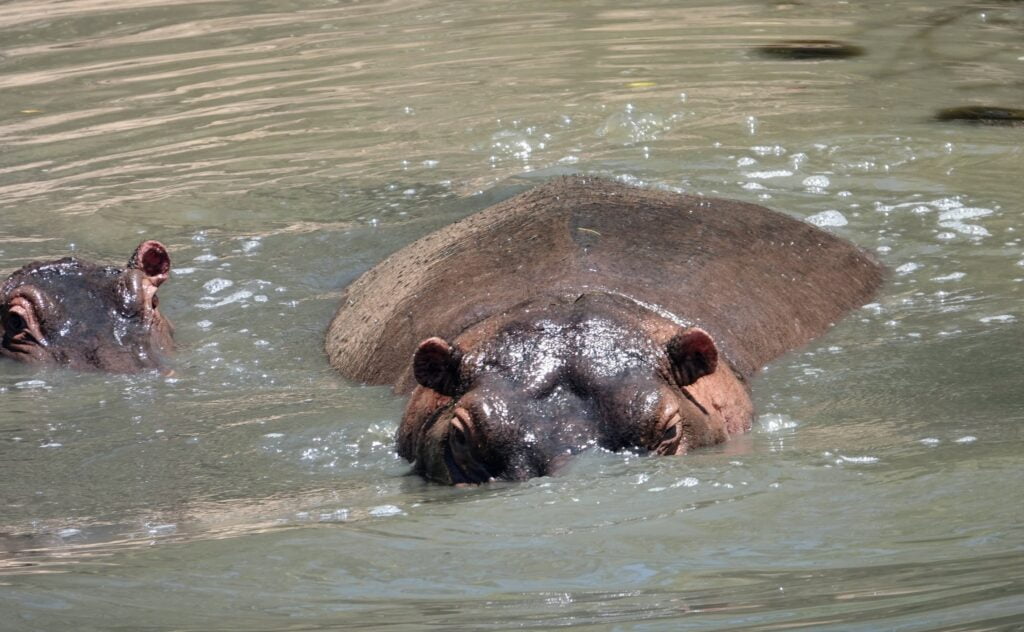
{"x": 435, "y": 365}
{"x": 155, "y": 260}
{"x": 698, "y": 342}
{"x": 151, "y": 257}
{"x": 694, "y": 355}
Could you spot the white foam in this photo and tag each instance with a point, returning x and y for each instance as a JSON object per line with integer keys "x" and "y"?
{"x": 237, "y": 297}
{"x": 907, "y": 268}
{"x": 688, "y": 481}
{"x": 32, "y": 384}
{"x": 216, "y": 285}
{"x": 764, "y": 175}
{"x": 966, "y": 229}
{"x": 816, "y": 182}
{"x": 966, "y": 439}
{"x": 963, "y": 213}
{"x": 857, "y": 459}
{"x": 776, "y": 423}
{"x": 828, "y": 218}
{"x": 383, "y": 511}
{"x": 953, "y": 276}
{"x": 1001, "y": 318}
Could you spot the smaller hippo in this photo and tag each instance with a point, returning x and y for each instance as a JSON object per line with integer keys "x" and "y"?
{"x": 79, "y": 315}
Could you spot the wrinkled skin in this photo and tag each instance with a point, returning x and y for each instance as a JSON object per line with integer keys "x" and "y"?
{"x": 514, "y": 397}
{"x": 75, "y": 314}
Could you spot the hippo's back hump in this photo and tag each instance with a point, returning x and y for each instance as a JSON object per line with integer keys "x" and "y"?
{"x": 762, "y": 283}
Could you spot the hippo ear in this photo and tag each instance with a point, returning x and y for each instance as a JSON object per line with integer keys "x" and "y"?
{"x": 152, "y": 259}
{"x": 436, "y": 366}
{"x": 693, "y": 355}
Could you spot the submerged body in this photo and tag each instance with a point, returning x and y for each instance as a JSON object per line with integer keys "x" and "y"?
{"x": 588, "y": 313}
{"x": 79, "y": 315}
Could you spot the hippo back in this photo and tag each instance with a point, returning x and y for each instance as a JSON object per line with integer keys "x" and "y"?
{"x": 760, "y": 282}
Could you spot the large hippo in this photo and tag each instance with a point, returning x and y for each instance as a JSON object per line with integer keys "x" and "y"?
{"x": 80, "y": 315}
{"x": 588, "y": 313}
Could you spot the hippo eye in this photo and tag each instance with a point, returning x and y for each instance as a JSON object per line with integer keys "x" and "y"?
{"x": 671, "y": 435}
{"x": 155, "y": 302}
{"x": 460, "y": 427}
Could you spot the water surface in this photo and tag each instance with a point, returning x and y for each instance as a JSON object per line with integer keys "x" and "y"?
{"x": 282, "y": 148}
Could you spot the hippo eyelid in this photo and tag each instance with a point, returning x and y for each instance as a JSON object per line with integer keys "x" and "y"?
{"x": 671, "y": 433}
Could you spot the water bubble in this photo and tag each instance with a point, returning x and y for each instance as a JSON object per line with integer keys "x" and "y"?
{"x": 866, "y": 460}
{"x": 688, "y": 481}
{"x": 816, "y": 182}
{"x": 828, "y": 218}
{"x": 907, "y": 268}
{"x": 962, "y": 213}
{"x": 216, "y": 285}
{"x": 631, "y": 127}
{"x": 383, "y": 511}
{"x": 966, "y": 439}
{"x": 775, "y": 423}
{"x": 237, "y": 297}
{"x": 777, "y": 173}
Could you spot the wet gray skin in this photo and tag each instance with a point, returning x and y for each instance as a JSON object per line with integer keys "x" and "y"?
{"x": 76, "y": 314}
{"x": 556, "y": 380}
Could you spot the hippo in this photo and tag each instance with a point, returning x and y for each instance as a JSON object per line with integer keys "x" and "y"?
{"x": 586, "y": 313}
{"x": 80, "y": 315}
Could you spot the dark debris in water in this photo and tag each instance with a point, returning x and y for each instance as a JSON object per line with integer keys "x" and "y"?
{"x": 983, "y": 115}
{"x": 810, "y": 49}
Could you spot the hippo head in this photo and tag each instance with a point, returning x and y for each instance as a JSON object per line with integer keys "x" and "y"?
{"x": 79, "y": 315}
{"x": 515, "y": 400}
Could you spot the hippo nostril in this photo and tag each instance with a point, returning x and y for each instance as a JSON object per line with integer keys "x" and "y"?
{"x": 14, "y": 323}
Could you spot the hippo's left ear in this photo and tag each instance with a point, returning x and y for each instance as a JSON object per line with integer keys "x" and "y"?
{"x": 693, "y": 355}
{"x": 436, "y": 366}
{"x": 152, "y": 259}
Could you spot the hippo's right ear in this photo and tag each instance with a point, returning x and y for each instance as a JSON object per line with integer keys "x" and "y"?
{"x": 152, "y": 259}
{"x": 693, "y": 354}
{"x": 436, "y": 366}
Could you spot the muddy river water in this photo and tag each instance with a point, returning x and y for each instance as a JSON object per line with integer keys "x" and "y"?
{"x": 282, "y": 148}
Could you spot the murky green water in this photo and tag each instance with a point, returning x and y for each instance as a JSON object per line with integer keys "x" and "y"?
{"x": 282, "y": 148}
